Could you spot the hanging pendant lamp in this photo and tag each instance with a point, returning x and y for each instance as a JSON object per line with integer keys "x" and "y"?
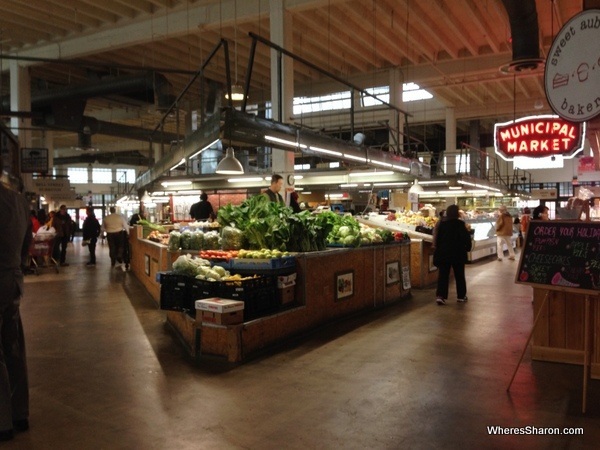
{"x": 230, "y": 165}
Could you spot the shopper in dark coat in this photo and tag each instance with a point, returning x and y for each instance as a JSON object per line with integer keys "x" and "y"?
{"x": 15, "y": 235}
{"x": 91, "y": 231}
{"x": 452, "y": 242}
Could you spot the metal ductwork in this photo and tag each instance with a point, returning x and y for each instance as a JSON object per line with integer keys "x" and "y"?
{"x": 524, "y": 29}
{"x": 132, "y": 157}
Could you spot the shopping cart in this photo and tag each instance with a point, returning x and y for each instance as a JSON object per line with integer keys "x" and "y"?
{"x": 40, "y": 255}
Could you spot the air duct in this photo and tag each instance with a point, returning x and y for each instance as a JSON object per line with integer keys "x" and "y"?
{"x": 524, "y": 29}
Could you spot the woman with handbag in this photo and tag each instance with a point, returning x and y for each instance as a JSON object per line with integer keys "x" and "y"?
{"x": 91, "y": 231}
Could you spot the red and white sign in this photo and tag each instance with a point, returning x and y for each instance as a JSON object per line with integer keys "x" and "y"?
{"x": 537, "y": 137}
{"x": 572, "y": 72}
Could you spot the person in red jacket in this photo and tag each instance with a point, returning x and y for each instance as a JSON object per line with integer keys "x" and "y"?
{"x": 35, "y": 223}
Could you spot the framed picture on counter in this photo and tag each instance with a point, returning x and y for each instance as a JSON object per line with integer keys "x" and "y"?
{"x": 344, "y": 285}
{"x": 392, "y": 272}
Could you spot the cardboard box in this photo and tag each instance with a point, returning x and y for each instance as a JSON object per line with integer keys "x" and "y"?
{"x": 219, "y": 305}
{"x": 226, "y": 318}
{"x": 284, "y": 281}
{"x": 286, "y": 295}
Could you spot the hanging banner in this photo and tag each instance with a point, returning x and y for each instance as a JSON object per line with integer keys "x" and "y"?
{"x": 572, "y": 72}
{"x": 537, "y": 137}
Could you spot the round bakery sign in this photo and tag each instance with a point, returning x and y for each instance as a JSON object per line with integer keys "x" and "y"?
{"x": 572, "y": 73}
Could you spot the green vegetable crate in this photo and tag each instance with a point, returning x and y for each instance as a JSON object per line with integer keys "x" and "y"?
{"x": 285, "y": 262}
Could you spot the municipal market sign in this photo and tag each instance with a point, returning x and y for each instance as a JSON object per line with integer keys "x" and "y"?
{"x": 538, "y": 137}
{"x": 572, "y": 72}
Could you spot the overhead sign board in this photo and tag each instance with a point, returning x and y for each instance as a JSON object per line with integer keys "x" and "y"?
{"x": 537, "y": 137}
{"x": 34, "y": 160}
{"x": 55, "y": 189}
{"x": 572, "y": 71}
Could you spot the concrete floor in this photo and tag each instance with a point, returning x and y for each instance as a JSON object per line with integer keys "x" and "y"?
{"x": 105, "y": 373}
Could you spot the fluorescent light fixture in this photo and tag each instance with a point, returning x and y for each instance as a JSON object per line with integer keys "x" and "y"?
{"x": 159, "y": 199}
{"x": 393, "y": 183}
{"x": 477, "y": 191}
{"x": 380, "y": 163}
{"x": 178, "y": 164}
{"x": 371, "y": 174}
{"x": 335, "y": 195}
{"x": 434, "y": 182}
{"x": 334, "y": 165}
{"x": 307, "y": 193}
{"x": 157, "y": 193}
{"x": 204, "y": 148}
{"x": 176, "y": 183}
{"x": 190, "y": 192}
{"x": 455, "y": 187}
{"x": 366, "y": 184}
{"x": 245, "y": 180}
{"x": 349, "y": 185}
{"x": 296, "y": 188}
{"x": 356, "y": 158}
{"x": 324, "y": 150}
{"x": 402, "y": 168}
{"x": 298, "y": 177}
{"x": 449, "y": 192}
{"x": 284, "y": 142}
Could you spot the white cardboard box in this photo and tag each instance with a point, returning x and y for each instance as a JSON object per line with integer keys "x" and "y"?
{"x": 284, "y": 281}
{"x": 219, "y": 305}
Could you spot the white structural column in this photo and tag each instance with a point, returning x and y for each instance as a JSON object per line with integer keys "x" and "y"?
{"x": 396, "y": 88}
{"x": 281, "y": 34}
{"x": 450, "y": 136}
{"x": 20, "y": 100}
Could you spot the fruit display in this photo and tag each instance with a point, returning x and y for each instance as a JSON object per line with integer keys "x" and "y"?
{"x": 204, "y": 224}
{"x": 157, "y": 236}
{"x": 415, "y": 219}
{"x": 263, "y": 253}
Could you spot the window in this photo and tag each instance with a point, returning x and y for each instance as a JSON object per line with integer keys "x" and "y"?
{"x": 337, "y": 100}
{"x": 412, "y": 92}
{"x": 77, "y": 175}
{"x": 301, "y": 166}
{"x": 126, "y": 176}
{"x": 102, "y": 176}
{"x": 463, "y": 163}
{"x": 382, "y": 92}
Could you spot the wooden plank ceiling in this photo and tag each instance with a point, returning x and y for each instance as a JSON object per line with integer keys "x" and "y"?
{"x": 451, "y": 48}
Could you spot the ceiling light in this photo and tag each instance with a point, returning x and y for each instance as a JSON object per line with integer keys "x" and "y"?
{"x": 416, "y": 187}
{"x": 176, "y": 183}
{"x": 324, "y": 150}
{"x": 245, "y": 180}
{"x": 356, "y": 158}
{"x": 230, "y": 165}
{"x": 178, "y": 164}
{"x": 204, "y": 148}
{"x": 380, "y": 163}
{"x": 403, "y": 169}
{"x": 370, "y": 174}
{"x": 348, "y": 185}
{"x": 335, "y": 195}
{"x": 237, "y": 93}
{"x": 449, "y": 192}
{"x": 399, "y": 183}
{"x": 284, "y": 142}
{"x": 431, "y": 183}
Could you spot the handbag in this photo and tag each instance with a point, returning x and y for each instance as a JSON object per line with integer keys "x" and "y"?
{"x": 85, "y": 243}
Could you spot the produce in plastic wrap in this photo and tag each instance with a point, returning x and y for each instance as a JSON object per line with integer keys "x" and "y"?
{"x": 188, "y": 265}
{"x": 232, "y": 238}
{"x": 211, "y": 241}
{"x": 197, "y": 240}
{"x": 186, "y": 240}
{"x": 174, "y": 241}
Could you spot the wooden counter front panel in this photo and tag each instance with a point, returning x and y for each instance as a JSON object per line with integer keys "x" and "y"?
{"x": 560, "y": 333}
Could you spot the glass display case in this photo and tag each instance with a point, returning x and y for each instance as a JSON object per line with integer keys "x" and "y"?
{"x": 484, "y": 237}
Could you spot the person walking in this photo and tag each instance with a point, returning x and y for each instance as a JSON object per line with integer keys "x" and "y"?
{"x": 115, "y": 224}
{"x": 504, "y": 232}
{"x": 202, "y": 210}
{"x": 452, "y": 242}
{"x": 272, "y": 191}
{"x": 91, "y": 230}
{"x": 63, "y": 226}
{"x": 15, "y": 236}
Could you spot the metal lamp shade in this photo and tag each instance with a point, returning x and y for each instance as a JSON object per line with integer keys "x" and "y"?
{"x": 230, "y": 165}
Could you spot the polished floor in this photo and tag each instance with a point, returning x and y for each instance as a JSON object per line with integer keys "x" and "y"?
{"x": 105, "y": 373}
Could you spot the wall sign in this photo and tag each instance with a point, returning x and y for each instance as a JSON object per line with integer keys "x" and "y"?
{"x": 537, "y": 137}
{"x": 34, "y": 160}
{"x": 561, "y": 255}
{"x": 572, "y": 72}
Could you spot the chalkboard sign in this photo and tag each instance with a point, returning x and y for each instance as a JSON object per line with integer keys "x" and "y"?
{"x": 561, "y": 255}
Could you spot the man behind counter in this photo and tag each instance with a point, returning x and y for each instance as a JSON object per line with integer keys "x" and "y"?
{"x": 273, "y": 191}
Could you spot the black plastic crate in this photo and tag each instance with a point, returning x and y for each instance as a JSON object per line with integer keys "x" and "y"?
{"x": 236, "y": 289}
{"x": 174, "y": 292}
{"x": 199, "y": 289}
{"x": 258, "y": 294}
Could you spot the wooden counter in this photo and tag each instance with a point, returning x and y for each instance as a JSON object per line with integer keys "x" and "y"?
{"x": 329, "y": 285}
{"x": 559, "y": 334}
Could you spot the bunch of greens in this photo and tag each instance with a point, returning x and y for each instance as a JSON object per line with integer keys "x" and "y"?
{"x": 267, "y": 224}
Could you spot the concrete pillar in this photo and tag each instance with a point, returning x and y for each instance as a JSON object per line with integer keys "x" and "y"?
{"x": 450, "y": 137}
{"x": 20, "y": 100}
{"x": 281, "y": 34}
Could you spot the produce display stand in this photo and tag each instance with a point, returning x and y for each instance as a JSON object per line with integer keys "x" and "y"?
{"x": 329, "y": 285}
{"x": 422, "y": 271}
